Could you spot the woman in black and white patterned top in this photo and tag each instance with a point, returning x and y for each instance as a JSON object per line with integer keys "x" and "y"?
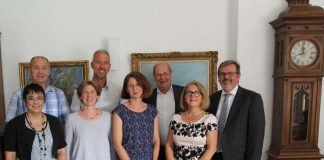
{"x": 193, "y": 133}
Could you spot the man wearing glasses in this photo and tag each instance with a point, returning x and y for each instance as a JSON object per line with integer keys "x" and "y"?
{"x": 240, "y": 115}
{"x": 166, "y": 98}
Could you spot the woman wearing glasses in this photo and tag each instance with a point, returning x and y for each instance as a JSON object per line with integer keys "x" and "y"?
{"x": 34, "y": 135}
{"x": 193, "y": 133}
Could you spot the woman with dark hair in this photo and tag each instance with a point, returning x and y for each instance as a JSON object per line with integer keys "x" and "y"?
{"x": 135, "y": 123}
{"x": 34, "y": 134}
{"x": 88, "y": 130}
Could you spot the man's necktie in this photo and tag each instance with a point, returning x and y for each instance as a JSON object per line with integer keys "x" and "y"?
{"x": 222, "y": 122}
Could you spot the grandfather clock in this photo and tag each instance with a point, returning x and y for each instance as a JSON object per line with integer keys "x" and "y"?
{"x": 298, "y": 72}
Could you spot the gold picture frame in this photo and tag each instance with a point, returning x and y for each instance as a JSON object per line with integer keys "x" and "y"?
{"x": 66, "y": 75}
{"x": 186, "y": 66}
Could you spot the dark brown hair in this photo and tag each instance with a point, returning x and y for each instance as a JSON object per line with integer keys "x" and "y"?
{"x": 33, "y": 88}
{"x": 141, "y": 81}
{"x": 229, "y": 62}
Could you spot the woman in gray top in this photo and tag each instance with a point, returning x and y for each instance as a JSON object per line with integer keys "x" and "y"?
{"x": 87, "y": 131}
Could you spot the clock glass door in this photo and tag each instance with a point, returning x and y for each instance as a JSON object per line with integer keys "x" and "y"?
{"x": 300, "y": 111}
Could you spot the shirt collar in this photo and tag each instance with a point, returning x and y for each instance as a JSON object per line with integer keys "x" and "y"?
{"x": 49, "y": 88}
{"x": 232, "y": 92}
{"x": 106, "y": 87}
{"x": 159, "y": 92}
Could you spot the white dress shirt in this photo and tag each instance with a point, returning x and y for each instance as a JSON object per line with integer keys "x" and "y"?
{"x": 165, "y": 105}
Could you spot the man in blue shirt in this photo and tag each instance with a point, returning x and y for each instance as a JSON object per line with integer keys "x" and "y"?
{"x": 55, "y": 103}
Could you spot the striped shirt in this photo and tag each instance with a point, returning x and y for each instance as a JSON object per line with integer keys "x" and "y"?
{"x": 55, "y": 104}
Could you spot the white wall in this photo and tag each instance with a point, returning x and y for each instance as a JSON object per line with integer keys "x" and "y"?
{"x": 256, "y": 52}
{"x": 73, "y": 30}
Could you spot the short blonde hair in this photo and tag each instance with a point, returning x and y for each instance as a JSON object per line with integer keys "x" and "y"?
{"x": 204, "y": 94}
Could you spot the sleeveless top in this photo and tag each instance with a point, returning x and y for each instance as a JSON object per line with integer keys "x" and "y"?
{"x": 138, "y": 131}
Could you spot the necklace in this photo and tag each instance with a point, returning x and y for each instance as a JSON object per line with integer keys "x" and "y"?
{"x": 41, "y": 136}
{"x": 191, "y": 117}
{"x": 86, "y": 115}
{"x": 44, "y": 123}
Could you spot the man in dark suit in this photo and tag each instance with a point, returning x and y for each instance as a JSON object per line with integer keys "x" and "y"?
{"x": 242, "y": 136}
{"x": 166, "y": 98}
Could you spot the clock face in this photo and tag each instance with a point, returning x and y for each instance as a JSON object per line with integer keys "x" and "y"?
{"x": 303, "y": 53}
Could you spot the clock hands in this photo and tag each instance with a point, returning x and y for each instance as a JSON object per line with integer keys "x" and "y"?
{"x": 302, "y": 50}
{"x": 298, "y": 54}
{"x": 303, "y": 53}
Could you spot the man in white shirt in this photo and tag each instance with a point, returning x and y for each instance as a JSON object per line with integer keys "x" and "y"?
{"x": 166, "y": 98}
{"x": 110, "y": 93}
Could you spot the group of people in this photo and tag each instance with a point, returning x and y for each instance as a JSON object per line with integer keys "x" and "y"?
{"x": 134, "y": 121}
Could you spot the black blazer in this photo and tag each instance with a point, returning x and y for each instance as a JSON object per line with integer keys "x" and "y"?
{"x": 244, "y": 130}
{"x": 177, "y": 94}
{"x": 18, "y": 138}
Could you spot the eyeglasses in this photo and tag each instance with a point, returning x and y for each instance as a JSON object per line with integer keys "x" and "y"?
{"x": 39, "y": 98}
{"x": 190, "y": 93}
{"x": 230, "y": 74}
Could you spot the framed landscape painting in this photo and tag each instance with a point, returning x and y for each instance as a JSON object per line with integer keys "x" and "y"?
{"x": 66, "y": 75}
{"x": 186, "y": 66}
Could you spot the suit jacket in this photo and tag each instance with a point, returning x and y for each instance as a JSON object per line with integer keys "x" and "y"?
{"x": 244, "y": 129}
{"x": 177, "y": 94}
